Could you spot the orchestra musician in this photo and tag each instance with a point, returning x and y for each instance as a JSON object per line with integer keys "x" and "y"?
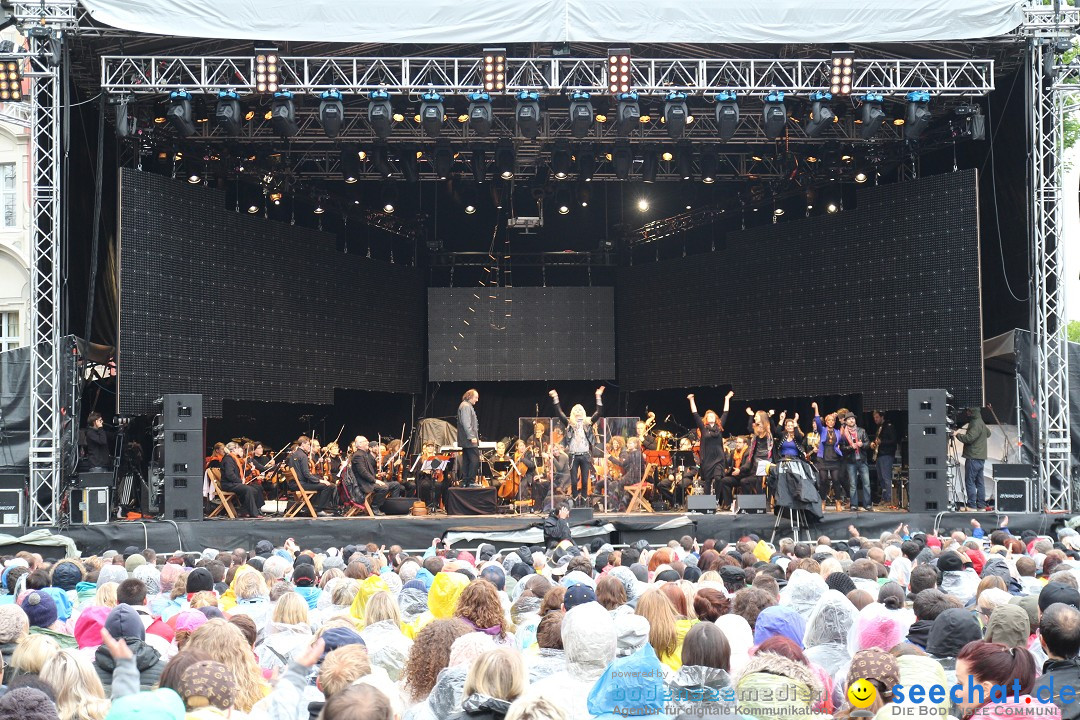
{"x": 579, "y": 440}
{"x": 468, "y": 436}
{"x": 301, "y": 463}
{"x": 259, "y": 459}
{"x": 711, "y": 428}
{"x": 431, "y": 484}
{"x": 646, "y": 440}
{"x": 529, "y": 487}
{"x": 391, "y": 467}
{"x": 672, "y": 487}
{"x": 364, "y": 470}
{"x": 632, "y": 464}
{"x": 735, "y": 474}
{"x": 214, "y": 459}
{"x": 560, "y": 467}
{"x": 249, "y": 497}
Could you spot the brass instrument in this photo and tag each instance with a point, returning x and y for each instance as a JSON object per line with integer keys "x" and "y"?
{"x": 664, "y": 440}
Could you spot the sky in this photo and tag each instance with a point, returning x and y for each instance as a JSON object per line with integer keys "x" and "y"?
{"x": 1070, "y": 228}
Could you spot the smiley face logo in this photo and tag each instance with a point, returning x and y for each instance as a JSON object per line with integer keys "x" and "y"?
{"x": 861, "y": 693}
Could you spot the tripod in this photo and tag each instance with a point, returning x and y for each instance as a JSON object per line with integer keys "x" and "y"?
{"x": 797, "y": 520}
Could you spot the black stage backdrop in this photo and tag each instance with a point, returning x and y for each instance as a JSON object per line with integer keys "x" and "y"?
{"x": 521, "y": 333}
{"x": 232, "y": 306}
{"x": 875, "y": 300}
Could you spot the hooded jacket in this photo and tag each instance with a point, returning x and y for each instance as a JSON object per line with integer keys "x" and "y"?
{"x": 147, "y": 660}
{"x": 952, "y": 629}
{"x": 445, "y": 696}
{"x": 775, "y": 687}
{"x": 825, "y": 642}
{"x": 697, "y": 691}
{"x": 482, "y": 707}
{"x": 1060, "y": 673}
{"x": 281, "y": 640}
{"x": 555, "y": 528}
{"x": 974, "y": 438}
{"x": 802, "y": 592}
{"x": 919, "y": 633}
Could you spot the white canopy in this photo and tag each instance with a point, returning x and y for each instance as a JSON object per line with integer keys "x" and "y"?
{"x": 593, "y": 21}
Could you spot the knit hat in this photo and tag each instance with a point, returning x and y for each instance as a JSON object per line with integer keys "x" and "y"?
{"x": 131, "y": 550}
{"x": 950, "y": 561}
{"x": 163, "y": 704}
{"x": 40, "y": 609}
{"x": 14, "y": 623}
{"x": 200, "y": 580}
{"x": 337, "y": 637}
{"x": 124, "y": 622}
{"x": 26, "y": 703}
{"x": 207, "y": 684}
{"x": 88, "y": 626}
{"x": 264, "y": 547}
{"x": 877, "y": 665}
{"x": 304, "y": 575}
{"x": 841, "y": 582}
{"x": 133, "y": 562}
{"x": 578, "y": 595}
{"x": 333, "y": 562}
{"x": 66, "y": 575}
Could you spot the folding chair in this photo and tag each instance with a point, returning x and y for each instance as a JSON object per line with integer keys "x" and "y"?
{"x": 224, "y": 498}
{"x": 301, "y": 497}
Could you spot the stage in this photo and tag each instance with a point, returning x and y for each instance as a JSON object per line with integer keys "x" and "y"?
{"x": 416, "y": 533}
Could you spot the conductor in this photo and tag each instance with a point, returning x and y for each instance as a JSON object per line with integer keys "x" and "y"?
{"x": 468, "y": 436}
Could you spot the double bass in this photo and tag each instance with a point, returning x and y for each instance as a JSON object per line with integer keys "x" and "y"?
{"x": 510, "y": 487}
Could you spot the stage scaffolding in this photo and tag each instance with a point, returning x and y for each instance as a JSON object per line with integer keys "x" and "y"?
{"x": 1050, "y": 86}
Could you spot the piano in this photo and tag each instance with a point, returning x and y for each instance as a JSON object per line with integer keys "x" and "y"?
{"x": 484, "y": 445}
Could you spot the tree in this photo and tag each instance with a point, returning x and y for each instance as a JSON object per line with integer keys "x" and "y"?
{"x": 1073, "y": 331}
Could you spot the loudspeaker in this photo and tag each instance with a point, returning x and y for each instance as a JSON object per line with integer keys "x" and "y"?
{"x": 580, "y": 515}
{"x": 182, "y": 451}
{"x": 701, "y": 503}
{"x": 470, "y": 501}
{"x": 90, "y": 505}
{"x": 928, "y": 445}
{"x": 751, "y": 503}
{"x": 12, "y": 500}
{"x": 183, "y": 499}
{"x": 1006, "y": 471}
{"x": 929, "y": 406}
{"x": 928, "y": 489}
{"x": 182, "y": 411}
{"x": 1012, "y": 495}
{"x": 93, "y": 480}
{"x": 397, "y": 506}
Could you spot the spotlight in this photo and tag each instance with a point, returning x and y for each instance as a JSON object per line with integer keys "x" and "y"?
{"x": 648, "y": 166}
{"x": 504, "y": 159}
{"x": 350, "y": 164}
{"x": 560, "y": 160}
{"x": 470, "y": 208}
{"x": 628, "y": 113}
{"x": 709, "y": 165}
{"x": 619, "y": 72}
{"x": 581, "y": 113}
{"x": 407, "y": 160}
{"x": 872, "y": 115}
{"x": 380, "y": 113}
{"x": 528, "y": 114}
{"x": 227, "y": 113}
{"x": 675, "y": 114}
{"x": 586, "y": 164}
{"x": 623, "y": 160}
{"x": 10, "y": 80}
{"x": 479, "y": 165}
{"x": 319, "y": 209}
{"x": 643, "y": 204}
{"x": 432, "y": 113}
{"x": 266, "y": 70}
{"x": 583, "y": 194}
{"x": 179, "y": 113}
{"x": 480, "y": 113}
{"x": 775, "y": 115}
{"x": 860, "y": 177}
{"x": 389, "y": 198}
{"x": 562, "y": 200}
{"x": 381, "y": 161}
{"x": 821, "y": 115}
{"x": 331, "y": 112}
{"x": 841, "y": 72}
{"x": 917, "y": 117}
{"x": 194, "y": 178}
{"x": 727, "y": 114}
{"x": 283, "y": 117}
{"x": 832, "y": 208}
{"x": 444, "y": 159}
{"x": 684, "y": 160}
{"x": 494, "y": 69}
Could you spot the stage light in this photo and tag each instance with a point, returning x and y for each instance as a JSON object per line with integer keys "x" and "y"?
{"x": 179, "y": 113}
{"x": 331, "y": 112}
{"x": 832, "y": 208}
{"x": 432, "y": 113}
{"x": 860, "y": 177}
{"x": 675, "y": 114}
{"x": 917, "y": 117}
{"x": 266, "y": 70}
{"x": 841, "y": 72}
{"x": 666, "y": 156}
{"x": 444, "y": 159}
{"x": 407, "y": 160}
{"x": 381, "y": 160}
{"x": 586, "y": 163}
{"x": 581, "y": 113}
{"x": 194, "y": 178}
{"x": 528, "y": 114}
{"x": 583, "y": 194}
{"x": 494, "y": 69}
{"x": 350, "y": 164}
{"x": 774, "y": 115}
{"x": 684, "y": 160}
{"x": 562, "y": 200}
{"x": 284, "y": 115}
{"x": 505, "y": 159}
{"x": 275, "y": 198}
{"x": 560, "y": 160}
{"x": 648, "y": 166}
{"x": 470, "y": 208}
{"x": 821, "y": 115}
{"x": 480, "y": 117}
{"x": 380, "y": 113}
{"x": 479, "y": 165}
{"x": 643, "y": 204}
{"x": 727, "y": 114}
{"x": 11, "y": 80}
{"x": 389, "y": 198}
{"x": 319, "y": 209}
{"x": 619, "y": 70}
{"x": 709, "y": 166}
{"x": 623, "y": 160}
{"x": 227, "y": 112}
{"x": 627, "y": 114}
{"x": 872, "y": 115}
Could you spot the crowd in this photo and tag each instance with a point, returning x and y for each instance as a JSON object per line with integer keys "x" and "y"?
{"x": 844, "y": 627}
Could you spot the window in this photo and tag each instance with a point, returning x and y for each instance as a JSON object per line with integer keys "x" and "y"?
{"x": 8, "y": 195}
{"x": 10, "y": 332}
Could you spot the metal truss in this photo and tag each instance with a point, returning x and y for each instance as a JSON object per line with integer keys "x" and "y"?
{"x": 1041, "y": 21}
{"x": 19, "y": 114}
{"x": 522, "y": 260}
{"x": 457, "y": 76}
{"x": 53, "y": 14}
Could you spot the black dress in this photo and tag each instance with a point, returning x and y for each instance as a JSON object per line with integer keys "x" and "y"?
{"x": 712, "y": 453}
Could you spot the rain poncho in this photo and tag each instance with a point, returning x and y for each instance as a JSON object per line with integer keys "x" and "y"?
{"x": 960, "y": 583}
{"x": 740, "y": 639}
{"x": 634, "y": 682}
{"x": 779, "y": 620}
{"x": 525, "y": 615}
{"x": 877, "y": 626}
{"x": 387, "y": 647}
{"x": 281, "y": 641}
{"x": 825, "y": 641}
{"x": 916, "y": 670}
{"x": 544, "y": 662}
{"x": 444, "y": 699}
{"x": 368, "y": 587}
{"x": 444, "y": 593}
{"x": 258, "y": 609}
{"x": 413, "y": 603}
{"x": 228, "y": 598}
{"x": 802, "y": 592}
{"x": 697, "y": 691}
{"x": 773, "y": 686}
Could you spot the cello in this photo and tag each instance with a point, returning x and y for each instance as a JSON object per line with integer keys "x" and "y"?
{"x": 510, "y": 487}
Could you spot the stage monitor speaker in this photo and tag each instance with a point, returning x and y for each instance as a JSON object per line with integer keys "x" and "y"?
{"x": 751, "y": 503}
{"x": 90, "y": 505}
{"x": 1012, "y": 495}
{"x": 396, "y": 506}
{"x": 182, "y": 411}
{"x": 928, "y": 445}
{"x": 701, "y": 503}
{"x": 13, "y": 500}
{"x": 930, "y": 406}
{"x": 1008, "y": 471}
{"x": 928, "y": 489}
{"x": 471, "y": 501}
{"x": 183, "y": 501}
{"x": 93, "y": 480}
{"x": 580, "y": 515}
{"x": 182, "y": 451}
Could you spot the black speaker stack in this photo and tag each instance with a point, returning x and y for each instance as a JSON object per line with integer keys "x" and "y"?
{"x": 182, "y": 446}
{"x": 929, "y": 416}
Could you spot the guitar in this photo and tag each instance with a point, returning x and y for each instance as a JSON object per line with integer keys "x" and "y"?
{"x": 876, "y": 443}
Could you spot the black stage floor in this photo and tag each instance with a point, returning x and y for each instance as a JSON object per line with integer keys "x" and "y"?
{"x": 507, "y": 530}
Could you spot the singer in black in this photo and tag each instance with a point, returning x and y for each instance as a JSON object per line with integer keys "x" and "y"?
{"x": 249, "y": 498}
{"x": 579, "y": 440}
{"x": 713, "y": 458}
{"x": 98, "y": 454}
{"x": 468, "y": 436}
{"x": 300, "y": 462}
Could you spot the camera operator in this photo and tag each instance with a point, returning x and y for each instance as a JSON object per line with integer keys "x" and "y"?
{"x": 974, "y": 441}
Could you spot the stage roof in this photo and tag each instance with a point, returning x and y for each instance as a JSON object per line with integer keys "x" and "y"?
{"x": 544, "y": 21}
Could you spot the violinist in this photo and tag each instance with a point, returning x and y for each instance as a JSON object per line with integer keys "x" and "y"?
{"x": 214, "y": 459}
{"x": 249, "y": 497}
{"x": 632, "y": 464}
{"x": 259, "y": 459}
{"x": 333, "y": 460}
{"x": 431, "y": 484}
{"x": 646, "y": 440}
{"x": 364, "y": 471}
{"x": 386, "y": 482}
{"x": 528, "y": 487}
{"x": 301, "y": 463}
